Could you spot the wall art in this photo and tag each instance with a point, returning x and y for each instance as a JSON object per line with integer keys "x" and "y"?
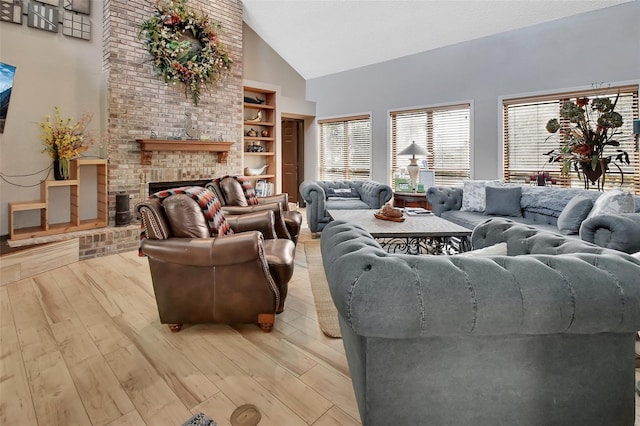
{"x": 11, "y": 11}
{"x": 7, "y": 73}
{"x": 43, "y": 17}
{"x": 75, "y": 25}
{"x": 80, "y": 6}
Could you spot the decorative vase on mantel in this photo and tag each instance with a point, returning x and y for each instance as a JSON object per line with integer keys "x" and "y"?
{"x": 61, "y": 168}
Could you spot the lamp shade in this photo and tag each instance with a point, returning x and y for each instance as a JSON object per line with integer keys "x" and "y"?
{"x": 414, "y": 149}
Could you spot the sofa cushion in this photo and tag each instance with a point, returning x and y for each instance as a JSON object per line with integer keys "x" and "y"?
{"x": 613, "y": 202}
{"x": 473, "y": 194}
{"x": 499, "y": 249}
{"x": 467, "y": 219}
{"x": 342, "y": 193}
{"x": 573, "y": 214}
{"x": 346, "y": 204}
{"x": 503, "y": 201}
{"x": 233, "y": 192}
{"x": 185, "y": 217}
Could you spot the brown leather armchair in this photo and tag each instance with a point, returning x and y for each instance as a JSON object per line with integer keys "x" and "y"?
{"x": 237, "y": 278}
{"x": 232, "y": 197}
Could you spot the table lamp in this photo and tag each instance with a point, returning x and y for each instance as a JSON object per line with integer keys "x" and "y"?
{"x": 413, "y": 168}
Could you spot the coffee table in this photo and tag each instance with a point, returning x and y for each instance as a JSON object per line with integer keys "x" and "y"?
{"x": 416, "y": 235}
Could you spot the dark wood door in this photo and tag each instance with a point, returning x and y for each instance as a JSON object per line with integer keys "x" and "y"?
{"x": 292, "y": 146}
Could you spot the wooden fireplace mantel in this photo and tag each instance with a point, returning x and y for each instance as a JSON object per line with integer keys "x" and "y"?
{"x": 147, "y": 146}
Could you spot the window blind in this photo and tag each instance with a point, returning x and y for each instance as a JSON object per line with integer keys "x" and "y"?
{"x": 345, "y": 148}
{"x": 526, "y": 140}
{"x": 443, "y": 131}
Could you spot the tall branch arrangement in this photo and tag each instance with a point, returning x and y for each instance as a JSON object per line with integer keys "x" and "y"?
{"x": 588, "y": 126}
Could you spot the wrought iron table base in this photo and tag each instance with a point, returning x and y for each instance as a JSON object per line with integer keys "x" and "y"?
{"x": 425, "y": 245}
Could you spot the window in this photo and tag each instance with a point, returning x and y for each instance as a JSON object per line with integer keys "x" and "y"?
{"x": 345, "y": 148}
{"x": 443, "y": 131}
{"x": 526, "y": 140}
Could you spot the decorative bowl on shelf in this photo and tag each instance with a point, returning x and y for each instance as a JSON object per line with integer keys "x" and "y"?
{"x": 255, "y": 172}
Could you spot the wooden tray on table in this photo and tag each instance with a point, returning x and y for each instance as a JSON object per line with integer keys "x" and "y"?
{"x": 389, "y": 218}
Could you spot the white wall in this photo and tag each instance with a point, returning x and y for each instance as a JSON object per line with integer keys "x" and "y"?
{"x": 262, "y": 63}
{"x": 599, "y": 46}
{"x": 51, "y": 69}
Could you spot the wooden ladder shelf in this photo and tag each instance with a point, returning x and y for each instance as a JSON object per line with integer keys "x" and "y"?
{"x": 75, "y": 223}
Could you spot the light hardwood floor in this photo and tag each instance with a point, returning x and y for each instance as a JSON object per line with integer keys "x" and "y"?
{"x": 82, "y": 345}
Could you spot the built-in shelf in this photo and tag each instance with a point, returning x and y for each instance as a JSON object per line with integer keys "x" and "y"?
{"x": 259, "y": 123}
{"x": 147, "y": 146}
{"x": 258, "y": 106}
{"x": 260, "y": 129}
{"x": 258, "y": 154}
{"x": 256, "y": 177}
{"x": 259, "y": 138}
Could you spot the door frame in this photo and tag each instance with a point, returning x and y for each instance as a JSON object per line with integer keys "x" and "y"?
{"x": 300, "y": 148}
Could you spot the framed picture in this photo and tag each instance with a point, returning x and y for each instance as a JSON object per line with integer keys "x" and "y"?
{"x": 7, "y": 73}
{"x": 403, "y": 185}
{"x": 427, "y": 178}
{"x": 43, "y": 17}
{"x": 11, "y": 11}
{"x": 75, "y": 25}
{"x": 80, "y": 6}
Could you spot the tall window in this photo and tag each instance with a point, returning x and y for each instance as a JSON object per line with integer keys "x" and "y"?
{"x": 526, "y": 140}
{"x": 443, "y": 131}
{"x": 345, "y": 148}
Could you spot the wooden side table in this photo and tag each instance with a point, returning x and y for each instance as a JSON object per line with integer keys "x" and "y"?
{"x": 411, "y": 199}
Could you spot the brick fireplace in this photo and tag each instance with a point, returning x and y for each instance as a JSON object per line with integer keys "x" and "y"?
{"x": 141, "y": 104}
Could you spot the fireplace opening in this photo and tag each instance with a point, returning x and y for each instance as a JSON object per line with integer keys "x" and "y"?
{"x": 161, "y": 186}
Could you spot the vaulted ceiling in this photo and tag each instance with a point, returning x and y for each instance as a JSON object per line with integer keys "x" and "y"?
{"x": 321, "y": 37}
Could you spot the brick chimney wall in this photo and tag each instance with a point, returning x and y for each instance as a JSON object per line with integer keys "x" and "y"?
{"x": 140, "y": 103}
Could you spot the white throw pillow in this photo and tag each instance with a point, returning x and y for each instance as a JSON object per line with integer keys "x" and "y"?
{"x": 499, "y": 249}
{"x": 474, "y": 194}
{"x": 613, "y": 202}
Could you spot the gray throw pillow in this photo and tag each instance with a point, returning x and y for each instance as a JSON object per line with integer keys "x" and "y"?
{"x": 503, "y": 201}
{"x": 573, "y": 214}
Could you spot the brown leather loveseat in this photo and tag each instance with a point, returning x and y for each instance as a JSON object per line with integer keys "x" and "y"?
{"x": 230, "y": 192}
{"x": 197, "y": 278}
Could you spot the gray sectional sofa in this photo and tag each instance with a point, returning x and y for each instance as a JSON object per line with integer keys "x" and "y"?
{"x": 542, "y": 336}
{"x": 541, "y": 207}
{"x": 321, "y": 196}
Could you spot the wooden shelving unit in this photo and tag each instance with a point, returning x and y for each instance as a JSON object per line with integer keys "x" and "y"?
{"x": 74, "y": 223}
{"x": 265, "y": 127}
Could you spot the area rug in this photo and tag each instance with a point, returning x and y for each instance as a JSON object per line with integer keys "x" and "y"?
{"x": 327, "y": 313}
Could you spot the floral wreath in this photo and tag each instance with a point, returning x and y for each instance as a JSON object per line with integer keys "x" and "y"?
{"x": 185, "y": 46}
